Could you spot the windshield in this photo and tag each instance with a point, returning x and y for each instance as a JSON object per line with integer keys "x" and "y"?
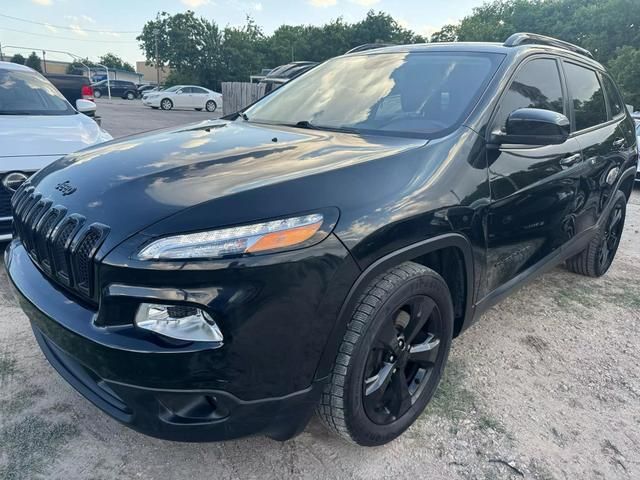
{"x": 418, "y": 93}
{"x": 29, "y": 93}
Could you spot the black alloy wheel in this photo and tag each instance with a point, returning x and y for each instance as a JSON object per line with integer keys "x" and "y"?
{"x": 391, "y": 357}
{"x": 402, "y": 359}
{"x": 611, "y": 237}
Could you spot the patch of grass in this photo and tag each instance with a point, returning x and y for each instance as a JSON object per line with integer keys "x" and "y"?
{"x": 539, "y": 344}
{"x": 7, "y": 367}
{"x": 623, "y": 292}
{"x": 20, "y": 401}
{"x": 452, "y": 400}
{"x": 489, "y": 423}
{"x": 31, "y": 444}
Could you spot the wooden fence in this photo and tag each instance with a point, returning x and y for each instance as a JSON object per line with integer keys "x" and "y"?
{"x": 237, "y": 95}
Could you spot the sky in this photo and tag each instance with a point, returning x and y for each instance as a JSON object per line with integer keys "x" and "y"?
{"x": 91, "y": 28}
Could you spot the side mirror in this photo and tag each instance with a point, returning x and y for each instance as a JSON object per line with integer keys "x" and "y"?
{"x": 534, "y": 126}
{"x": 86, "y": 106}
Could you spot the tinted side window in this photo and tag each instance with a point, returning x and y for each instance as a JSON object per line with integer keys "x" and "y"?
{"x": 588, "y": 98}
{"x": 198, "y": 90}
{"x": 615, "y": 102}
{"x": 536, "y": 85}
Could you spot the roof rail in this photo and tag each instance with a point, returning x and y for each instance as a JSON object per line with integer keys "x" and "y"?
{"x": 534, "y": 39}
{"x": 369, "y": 46}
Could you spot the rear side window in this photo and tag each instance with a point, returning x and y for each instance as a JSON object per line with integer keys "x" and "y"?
{"x": 589, "y": 108}
{"x": 615, "y": 103}
{"x": 536, "y": 85}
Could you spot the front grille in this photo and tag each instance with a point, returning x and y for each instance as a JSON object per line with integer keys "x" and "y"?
{"x": 62, "y": 244}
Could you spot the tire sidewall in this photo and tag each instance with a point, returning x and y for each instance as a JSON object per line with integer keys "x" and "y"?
{"x": 209, "y": 102}
{"x": 361, "y": 428}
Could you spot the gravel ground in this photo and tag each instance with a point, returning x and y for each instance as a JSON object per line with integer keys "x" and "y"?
{"x": 126, "y": 117}
{"x": 545, "y": 386}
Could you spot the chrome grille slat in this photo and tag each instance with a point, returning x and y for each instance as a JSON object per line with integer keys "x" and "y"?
{"x": 60, "y": 243}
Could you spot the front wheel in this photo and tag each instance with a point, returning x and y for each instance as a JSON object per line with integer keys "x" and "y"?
{"x": 595, "y": 260}
{"x": 131, "y": 96}
{"x": 166, "y": 104}
{"x": 211, "y": 106}
{"x": 97, "y": 94}
{"x": 391, "y": 357}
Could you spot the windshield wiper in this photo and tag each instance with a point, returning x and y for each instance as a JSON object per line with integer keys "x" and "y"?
{"x": 14, "y": 112}
{"x": 307, "y": 124}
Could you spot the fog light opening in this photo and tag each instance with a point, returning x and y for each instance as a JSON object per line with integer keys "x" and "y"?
{"x": 182, "y": 322}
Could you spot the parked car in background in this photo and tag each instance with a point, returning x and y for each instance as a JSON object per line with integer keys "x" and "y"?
{"x": 119, "y": 88}
{"x": 282, "y": 74}
{"x": 184, "y": 96}
{"x": 37, "y": 126}
{"x": 638, "y": 136}
{"x": 73, "y": 88}
{"x": 142, "y": 89}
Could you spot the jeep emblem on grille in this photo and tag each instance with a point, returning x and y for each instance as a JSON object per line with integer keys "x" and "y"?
{"x": 66, "y": 188}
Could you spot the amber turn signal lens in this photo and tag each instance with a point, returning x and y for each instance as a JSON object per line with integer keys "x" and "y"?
{"x": 285, "y": 238}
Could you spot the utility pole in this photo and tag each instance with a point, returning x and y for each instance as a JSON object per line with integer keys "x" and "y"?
{"x": 44, "y": 61}
{"x": 1, "y": 56}
{"x": 156, "y": 32}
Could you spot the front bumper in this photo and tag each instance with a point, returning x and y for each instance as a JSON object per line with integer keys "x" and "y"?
{"x": 166, "y": 391}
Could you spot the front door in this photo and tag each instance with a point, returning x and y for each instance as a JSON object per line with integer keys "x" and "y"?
{"x": 533, "y": 188}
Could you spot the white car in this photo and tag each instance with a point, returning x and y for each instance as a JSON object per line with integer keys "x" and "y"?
{"x": 184, "y": 96}
{"x": 37, "y": 126}
{"x": 637, "y": 120}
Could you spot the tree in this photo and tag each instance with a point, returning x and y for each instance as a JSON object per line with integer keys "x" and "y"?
{"x": 33, "y": 61}
{"x": 111, "y": 60}
{"x": 17, "y": 58}
{"x": 77, "y": 67}
{"x": 625, "y": 67}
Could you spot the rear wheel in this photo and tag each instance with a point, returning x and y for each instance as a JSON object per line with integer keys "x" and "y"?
{"x": 131, "y": 96}
{"x": 211, "y": 106}
{"x": 595, "y": 260}
{"x": 166, "y": 104}
{"x": 97, "y": 93}
{"x": 391, "y": 357}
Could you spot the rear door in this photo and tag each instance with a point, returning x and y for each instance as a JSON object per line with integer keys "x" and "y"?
{"x": 597, "y": 124}
{"x": 200, "y": 97}
{"x": 533, "y": 188}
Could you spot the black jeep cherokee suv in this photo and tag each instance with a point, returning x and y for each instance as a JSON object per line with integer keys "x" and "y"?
{"x": 321, "y": 249}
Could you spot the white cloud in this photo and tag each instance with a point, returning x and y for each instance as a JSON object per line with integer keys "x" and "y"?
{"x": 365, "y": 3}
{"x": 87, "y": 18}
{"x": 46, "y": 3}
{"x": 51, "y": 28}
{"x": 77, "y": 29}
{"x": 322, "y": 3}
{"x": 195, "y": 3}
{"x": 257, "y": 6}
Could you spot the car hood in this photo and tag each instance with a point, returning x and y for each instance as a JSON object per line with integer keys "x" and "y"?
{"x": 132, "y": 183}
{"x": 47, "y": 135}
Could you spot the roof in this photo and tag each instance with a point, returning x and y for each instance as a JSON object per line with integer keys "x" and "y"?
{"x": 480, "y": 47}
{"x": 15, "y": 66}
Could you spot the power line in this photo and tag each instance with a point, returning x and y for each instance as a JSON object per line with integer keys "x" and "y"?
{"x": 76, "y": 39}
{"x": 66, "y": 27}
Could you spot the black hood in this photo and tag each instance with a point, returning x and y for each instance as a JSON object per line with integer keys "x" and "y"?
{"x": 133, "y": 183}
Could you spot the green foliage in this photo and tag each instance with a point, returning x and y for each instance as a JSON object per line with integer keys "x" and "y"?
{"x": 33, "y": 61}
{"x": 17, "y": 58}
{"x": 197, "y": 49}
{"x": 604, "y": 27}
{"x": 625, "y": 67}
{"x": 111, "y": 60}
{"x": 77, "y": 67}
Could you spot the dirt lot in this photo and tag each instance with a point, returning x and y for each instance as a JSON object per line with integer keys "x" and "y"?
{"x": 126, "y": 117}
{"x": 545, "y": 386}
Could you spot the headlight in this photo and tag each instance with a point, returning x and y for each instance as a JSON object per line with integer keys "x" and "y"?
{"x": 177, "y": 321}
{"x": 256, "y": 238}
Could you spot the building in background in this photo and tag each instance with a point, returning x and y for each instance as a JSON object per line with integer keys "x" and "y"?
{"x": 148, "y": 70}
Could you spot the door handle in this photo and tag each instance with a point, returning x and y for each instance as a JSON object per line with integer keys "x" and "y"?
{"x": 619, "y": 143}
{"x": 571, "y": 159}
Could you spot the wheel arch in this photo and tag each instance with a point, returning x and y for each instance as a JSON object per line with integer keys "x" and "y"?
{"x": 418, "y": 252}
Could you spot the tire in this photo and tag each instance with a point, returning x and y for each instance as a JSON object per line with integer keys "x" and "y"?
{"x": 97, "y": 94}
{"x": 211, "y": 106}
{"x": 155, "y": 108}
{"x": 364, "y": 400}
{"x": 198, "y": 109}
{"x": 131, "y": 96}
{"x": 597, "y": 257}
{"x": 166, "y": 104}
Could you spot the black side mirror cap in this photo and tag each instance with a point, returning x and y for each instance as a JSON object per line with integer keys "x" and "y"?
{"x": 534, "y": 126}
